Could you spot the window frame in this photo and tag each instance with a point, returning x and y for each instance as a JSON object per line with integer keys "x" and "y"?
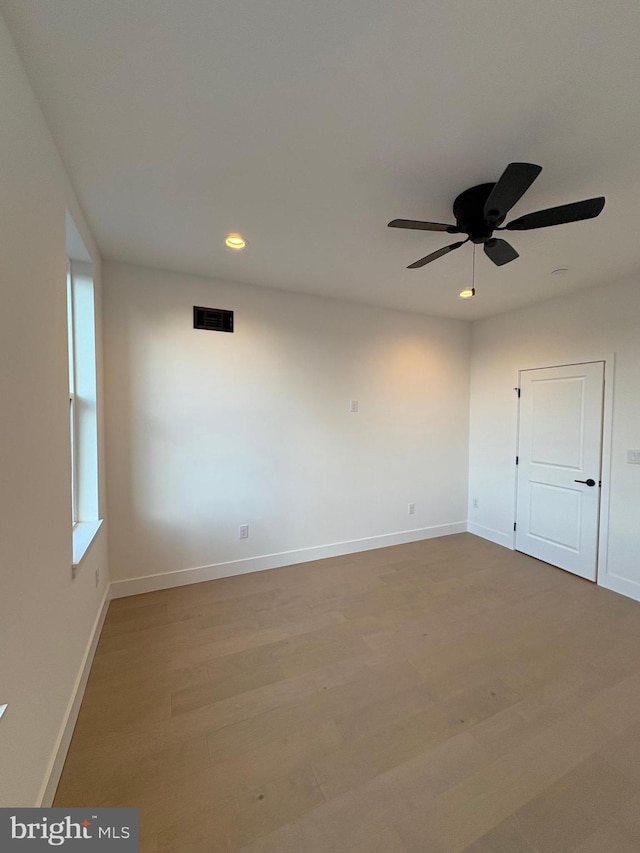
{"x": 73, "y": 427}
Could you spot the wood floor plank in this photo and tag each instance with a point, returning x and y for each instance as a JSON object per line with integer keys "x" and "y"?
{"x": 619, "y": 834}
{"x": 228, "y": 824}
{"x": 445, "y": 696}
{"x": 569, "y": 811}
{"x": 359, "y": 820}
{"x": 504, "y": 838}
{"x": 400, "y": 741}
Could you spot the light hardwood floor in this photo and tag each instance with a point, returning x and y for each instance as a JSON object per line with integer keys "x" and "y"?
{"x": 441, "y": 696}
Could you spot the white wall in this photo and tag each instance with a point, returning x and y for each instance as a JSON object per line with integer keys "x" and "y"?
{"x": 583, "y": 326}
{"x": 46, "y": 619}
{"x": 207, "y": 431}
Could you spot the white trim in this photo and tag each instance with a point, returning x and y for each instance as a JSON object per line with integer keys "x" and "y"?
{"x": 84, "y": 532}
{"x": 496, "y": 536}
{"x": 609, "y": 360}
{"x": 605, "y": 473}
{"x": 621, "y": 585}
{"x": 182, "y": 577}
{"x": 52, "y": 776}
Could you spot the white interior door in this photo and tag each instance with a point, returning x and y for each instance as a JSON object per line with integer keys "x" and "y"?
{"x": 559, "y": 458}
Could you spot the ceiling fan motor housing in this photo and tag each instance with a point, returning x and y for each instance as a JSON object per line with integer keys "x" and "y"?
{"x": 468, "y": 209}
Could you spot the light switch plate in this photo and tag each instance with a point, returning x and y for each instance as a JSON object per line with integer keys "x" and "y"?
{"x": 3, "y": 708}
{"x": 633, "y": 457}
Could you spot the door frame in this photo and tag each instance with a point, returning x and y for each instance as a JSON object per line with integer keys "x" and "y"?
{"x": 609, "y": 360}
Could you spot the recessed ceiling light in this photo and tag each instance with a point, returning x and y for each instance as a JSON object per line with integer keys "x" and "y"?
{"x": 560, "y": 271}
{"x": 468, "y": 293}
{"x": 235, "y": 241}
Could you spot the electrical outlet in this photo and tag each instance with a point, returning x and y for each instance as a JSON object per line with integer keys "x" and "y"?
{"x": 3, "y": 708}
{"x": 412, "y": 509}
{"x": 633, "y": 457}
{"x": 475, "y": 503}
{"x": 97, "y": 578}
{"x": 353, "y": 406}
{"x": 243, "y": 531}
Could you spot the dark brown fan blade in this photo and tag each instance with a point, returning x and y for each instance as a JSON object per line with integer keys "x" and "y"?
{"x": 512, "y": 185}
{"x": 423, "y": 226}
{"x": 435, "y": 255}
{"x": 500, "y": 252}
{"x": 575, "y": 212}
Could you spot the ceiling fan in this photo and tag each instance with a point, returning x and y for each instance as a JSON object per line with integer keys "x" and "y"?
{"x": 481, "y": 210}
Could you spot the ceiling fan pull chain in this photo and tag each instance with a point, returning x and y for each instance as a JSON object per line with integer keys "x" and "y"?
{"x": 473, "y": 271}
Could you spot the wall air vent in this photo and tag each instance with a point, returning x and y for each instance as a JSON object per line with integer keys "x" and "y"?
{"x": 213, "y": 319}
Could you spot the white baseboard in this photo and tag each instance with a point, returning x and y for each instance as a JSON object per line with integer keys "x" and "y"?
{"x": 182, "y": 577}
{"x": 504, "y": 539}
{"x": 625, "y": 587}
{"x": 54, "y": 772}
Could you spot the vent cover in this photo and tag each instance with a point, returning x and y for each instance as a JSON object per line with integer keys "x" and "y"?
{"x": 213, "y": 319}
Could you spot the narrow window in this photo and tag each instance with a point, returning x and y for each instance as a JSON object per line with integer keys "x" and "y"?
{"x": 83, "y": 420}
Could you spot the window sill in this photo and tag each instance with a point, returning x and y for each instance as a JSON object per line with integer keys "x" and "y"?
{"x": 84, "y": 533}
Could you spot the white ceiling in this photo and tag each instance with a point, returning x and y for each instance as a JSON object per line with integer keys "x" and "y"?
{"x": 307, "y": 126}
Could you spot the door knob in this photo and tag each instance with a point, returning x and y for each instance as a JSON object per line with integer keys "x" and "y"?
{"x": 588, "y": 482}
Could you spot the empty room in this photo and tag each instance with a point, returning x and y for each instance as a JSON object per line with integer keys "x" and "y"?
{"x": 320, "y": 435}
